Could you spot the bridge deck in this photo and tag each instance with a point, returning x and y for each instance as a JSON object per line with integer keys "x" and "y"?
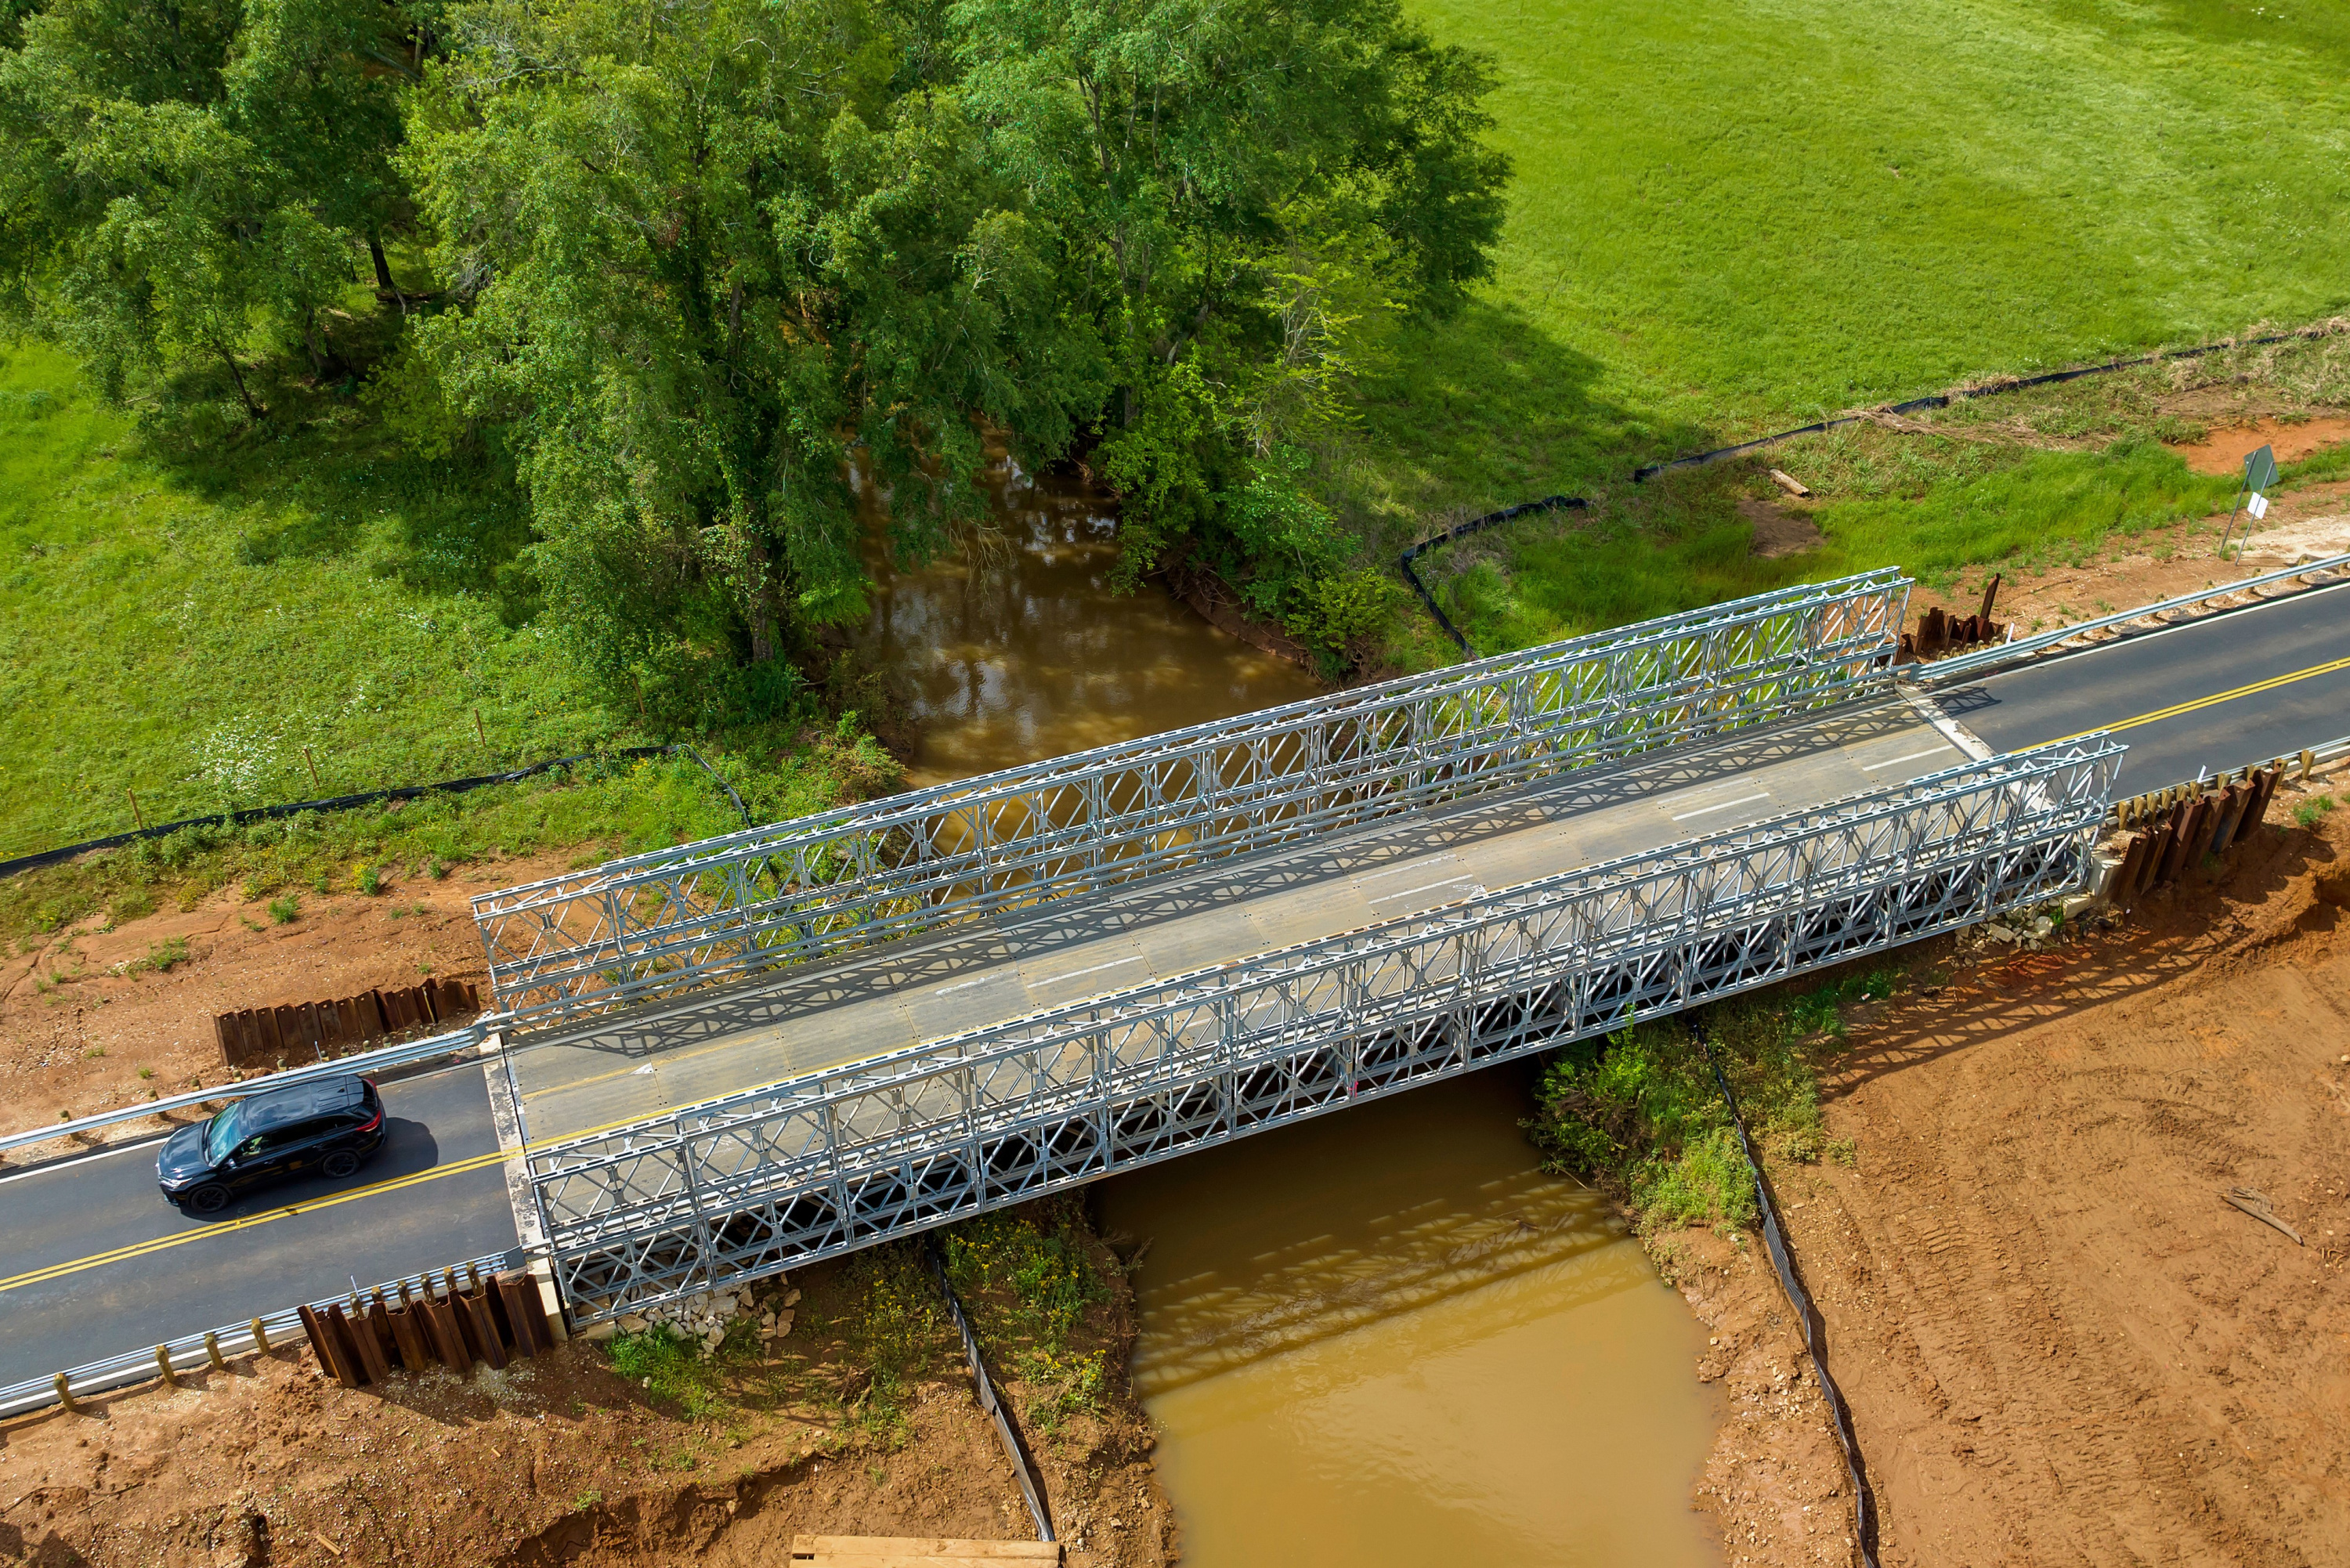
{"x": 640, "y": 1064}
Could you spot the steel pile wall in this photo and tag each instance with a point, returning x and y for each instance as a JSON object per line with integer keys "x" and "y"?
{"x": 772, "y": 1178}
{"x": 657, "y": 923}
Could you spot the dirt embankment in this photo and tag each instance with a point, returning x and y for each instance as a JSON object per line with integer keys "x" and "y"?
{"x": 101, "y": 1014}
{"x": 563, "y": 1460}
{"x": 2059, "y": 1340}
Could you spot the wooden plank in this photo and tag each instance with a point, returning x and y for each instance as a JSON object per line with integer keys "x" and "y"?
{"x": 906, "y": 1551}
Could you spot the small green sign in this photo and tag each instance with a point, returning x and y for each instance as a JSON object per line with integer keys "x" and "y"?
{"x": 2261, "y": 468}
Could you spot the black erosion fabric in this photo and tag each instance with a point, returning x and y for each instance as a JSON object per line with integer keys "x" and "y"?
{"x": 366, "y": 797}
{"x": 1916, "y": 405}
{"x": 1782, "y": 1259}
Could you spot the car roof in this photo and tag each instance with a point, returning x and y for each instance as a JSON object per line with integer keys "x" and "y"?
{"x": 300, "y": 1102}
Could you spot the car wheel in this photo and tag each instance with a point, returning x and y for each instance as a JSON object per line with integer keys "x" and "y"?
{"x": 208, "y": 1199}
{"x": 339, "y": 1164}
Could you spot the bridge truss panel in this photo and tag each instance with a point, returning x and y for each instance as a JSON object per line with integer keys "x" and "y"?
{"x": 776, "y": 1178}
{"x": 654, "y": 924}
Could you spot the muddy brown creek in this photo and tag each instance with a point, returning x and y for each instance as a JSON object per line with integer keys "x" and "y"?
{"x": 1020, "y": 650}
{"x": 1378, "y": 1338}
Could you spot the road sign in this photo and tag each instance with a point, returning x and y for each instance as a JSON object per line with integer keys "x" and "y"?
{"x": 2261, "y": 468}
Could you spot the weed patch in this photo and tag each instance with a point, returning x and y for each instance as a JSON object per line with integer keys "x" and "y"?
{"x": 1640, "y": 1112}
{"x": 1028, "y": 1280}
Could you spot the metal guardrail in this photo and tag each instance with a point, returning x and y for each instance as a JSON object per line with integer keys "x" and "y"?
{"x": 2127, "y": 813}
{"x": 1945, "y": 670}
{"x": 656, "y": 923}
{"x": 191, "y": 1353}
{"x": 756, "y": 1182}
{"x": 379, "y": 1060}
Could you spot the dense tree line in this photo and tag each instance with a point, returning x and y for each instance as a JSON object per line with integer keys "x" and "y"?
{"x": 694, "y": 261}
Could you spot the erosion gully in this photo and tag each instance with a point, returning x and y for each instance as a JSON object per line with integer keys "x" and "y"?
{"x": 1381, "y": 1337}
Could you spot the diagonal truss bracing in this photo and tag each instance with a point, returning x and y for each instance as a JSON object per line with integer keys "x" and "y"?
{"x": 773, "y": 1178}
{"x": 722, "y": 908}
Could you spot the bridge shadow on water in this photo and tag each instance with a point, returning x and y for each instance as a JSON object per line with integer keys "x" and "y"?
{"x": 800, "y": 991}
{"x": 1540, "y": 1248}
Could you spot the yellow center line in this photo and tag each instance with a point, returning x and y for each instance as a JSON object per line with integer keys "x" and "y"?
{"x": 2175, "y": 709}
{"x": 159, "y": 1243}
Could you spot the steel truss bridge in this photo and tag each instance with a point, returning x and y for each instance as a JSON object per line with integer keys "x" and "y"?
{"x": 898, "y": 1140}
{"x": 761, "y": 1182}
{"x": 655, "y": 925}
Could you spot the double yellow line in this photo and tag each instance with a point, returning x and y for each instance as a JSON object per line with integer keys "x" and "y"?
{"x": 162, "y": 1243}
{"x": 2175, "y": 709}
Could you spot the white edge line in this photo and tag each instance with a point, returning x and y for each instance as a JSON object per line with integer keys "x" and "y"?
{"x": 967, "y": 984}
{"x": 1076, "y": 973}
{"x": 1725, "y": 805}
{"x": 1408, "y": 892}
{"x": 1911, "y": 757}
{"x": 1420, "y": 865}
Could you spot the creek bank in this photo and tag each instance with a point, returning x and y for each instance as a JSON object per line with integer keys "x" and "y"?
{"x": 860, "y": 1419}
{"x": 2057, "y": 1335}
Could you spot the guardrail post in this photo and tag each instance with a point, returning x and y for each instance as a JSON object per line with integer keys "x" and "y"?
{"x": 163, "y": 1365}
{"x": 64, "y": 1396}
{"x": 213, "y": 1351}
{"x": 259, "y": 1337}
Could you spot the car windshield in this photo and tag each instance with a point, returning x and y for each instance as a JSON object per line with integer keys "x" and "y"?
{"x": 224, "y": 1133}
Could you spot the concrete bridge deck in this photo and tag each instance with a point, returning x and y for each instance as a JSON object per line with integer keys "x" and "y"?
{"x": 847, "y": 1009}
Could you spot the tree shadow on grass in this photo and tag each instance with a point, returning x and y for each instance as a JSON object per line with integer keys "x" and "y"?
{"x": 319, "y": 476}
{"x": 1487, "y": 409}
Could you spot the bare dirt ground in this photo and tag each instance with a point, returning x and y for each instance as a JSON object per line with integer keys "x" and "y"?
{"x": 2302, "y": 524}
{"x": 86, "y": 1026}
{"x": 2060, "y": 1341}
{"x": 561, "y": 1460}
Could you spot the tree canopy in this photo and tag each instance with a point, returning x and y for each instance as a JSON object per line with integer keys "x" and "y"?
{"x": 716, "y": 273}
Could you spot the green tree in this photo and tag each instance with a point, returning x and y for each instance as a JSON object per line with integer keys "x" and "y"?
{"x": 712, "y": 258}
{"x": 1246, "y": 193}
{"x": 184, "y": 180}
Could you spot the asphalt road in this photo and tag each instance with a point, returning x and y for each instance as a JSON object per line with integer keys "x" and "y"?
{"x": 95, "y": 1262}
{"x": 2218, "y": 693}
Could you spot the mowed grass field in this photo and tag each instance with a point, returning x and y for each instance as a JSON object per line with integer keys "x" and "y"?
{"x": 1733, "y": 218}
{"x": 1726, "y": 220}
{"x": 204, "y": 624}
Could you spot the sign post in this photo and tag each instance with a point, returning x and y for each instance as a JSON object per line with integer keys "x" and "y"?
{"x": 2260, "y": 474}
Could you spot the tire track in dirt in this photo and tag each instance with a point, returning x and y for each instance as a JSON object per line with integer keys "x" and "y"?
{"x": 2059, "y": 1342}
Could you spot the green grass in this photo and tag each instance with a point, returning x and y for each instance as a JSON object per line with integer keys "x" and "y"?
{"x": 1027, "y": 1279}
{"x": 203, "y": 614}
{"x": 1639, "y": 1111}
{"x": 186, "y": 621}
{"x": 596, "y": 810}
{"x": 1727, "y": 221}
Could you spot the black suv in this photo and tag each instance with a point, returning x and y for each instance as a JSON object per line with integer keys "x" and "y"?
{"x": 327, "y": 1127}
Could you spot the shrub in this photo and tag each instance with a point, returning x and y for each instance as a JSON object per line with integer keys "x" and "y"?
{"x": 284, "y": 908}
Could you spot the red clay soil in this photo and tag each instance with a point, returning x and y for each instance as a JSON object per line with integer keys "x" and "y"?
{"x": 2060, "y": 1341}
{"x": 2224, "y": 450}
{"x": 80, "y": 1017}
{"x": 2302, "y": 524}
{"x": 559, "y": 1460}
